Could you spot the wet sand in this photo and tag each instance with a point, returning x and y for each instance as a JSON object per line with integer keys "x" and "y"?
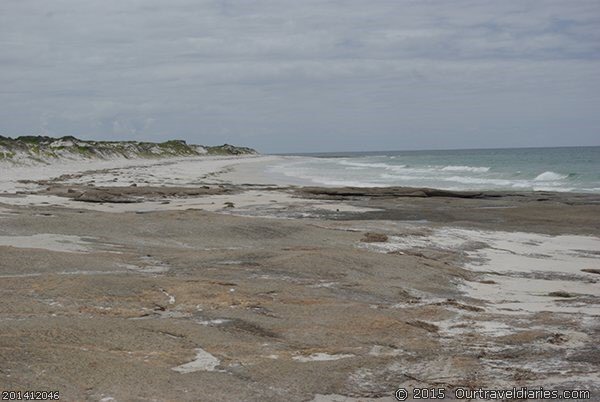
{"x": 206, "y": 286}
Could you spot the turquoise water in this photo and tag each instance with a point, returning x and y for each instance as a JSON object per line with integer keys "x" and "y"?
{"x": 573, "y": 169}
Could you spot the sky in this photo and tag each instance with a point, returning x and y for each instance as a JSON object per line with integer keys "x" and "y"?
{"x": 302, "y": 76}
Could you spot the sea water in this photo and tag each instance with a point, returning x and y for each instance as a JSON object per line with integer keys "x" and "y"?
{"x": 570, "y": 169}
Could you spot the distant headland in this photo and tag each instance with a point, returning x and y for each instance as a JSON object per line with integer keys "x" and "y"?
{"x": 44, "y": 149}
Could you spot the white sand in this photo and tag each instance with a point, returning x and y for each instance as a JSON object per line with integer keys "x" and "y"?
{"x": 204, "y": 362}
{"x": 525, "y": 266}
{"x": 48, "y": 241}
{"x": 184, "y": 172}
{"x": 216, "y": 321}
{"x": 379, "y": 350}
{"x": 175, "y": 171}
{"x": 321, "y": 357}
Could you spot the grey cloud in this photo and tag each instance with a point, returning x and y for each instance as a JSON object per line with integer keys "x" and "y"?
{"x": 304, "y": 75}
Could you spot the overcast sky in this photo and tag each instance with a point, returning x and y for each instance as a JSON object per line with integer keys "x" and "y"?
{"x": 304, "y": 75}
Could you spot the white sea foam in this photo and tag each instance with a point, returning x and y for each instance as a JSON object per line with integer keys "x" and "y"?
{"x": 364, "y": 164}
{"x": 550, "y": 176}
{"x": 350, "y": 183}
{"x": 553, "y": 188}
{"x": 375, "y": 165}
{"x": 478, "y": 180}
{"x": 450, "y": 177}
{"x": 477, "y": 169}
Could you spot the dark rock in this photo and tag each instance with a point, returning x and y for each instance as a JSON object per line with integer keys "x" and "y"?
{"x": 371, "y": 237}
{"x": 385, "y": 192}
{"x": 560, "y": 293}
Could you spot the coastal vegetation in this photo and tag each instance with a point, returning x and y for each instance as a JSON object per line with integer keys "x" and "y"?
{"x": 44, "y": 149}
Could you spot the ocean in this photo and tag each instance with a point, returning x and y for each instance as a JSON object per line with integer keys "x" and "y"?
{"x": 568, "y": 169}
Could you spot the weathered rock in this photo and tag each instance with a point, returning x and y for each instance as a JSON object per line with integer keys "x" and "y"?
{"x": 561, "y": 293}
{"x": 385, "y": 192}
{"x": 371, "y": 237}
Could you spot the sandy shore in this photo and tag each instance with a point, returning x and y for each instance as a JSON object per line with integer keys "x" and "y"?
{"x": 211, "y": 279}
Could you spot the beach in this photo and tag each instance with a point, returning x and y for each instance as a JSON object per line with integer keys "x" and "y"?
{"x": 217, "y": 278}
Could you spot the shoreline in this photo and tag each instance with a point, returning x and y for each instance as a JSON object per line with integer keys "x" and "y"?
{"x": 240, "y": 285}
{"x": 225, "y": 169}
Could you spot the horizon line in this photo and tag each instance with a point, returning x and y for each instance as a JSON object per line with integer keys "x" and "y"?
{"x": 431, "y": 149}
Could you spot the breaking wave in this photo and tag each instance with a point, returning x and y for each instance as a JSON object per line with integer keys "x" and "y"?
{"x": 550, "y": 176}
{"x": 477, "y": 169}
{"x": 453, "y": 170}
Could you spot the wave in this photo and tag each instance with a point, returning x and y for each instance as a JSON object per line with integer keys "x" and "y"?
{"x": 363, "y": 164}
{"x": 462, "y": 175}
{"x": 370, "y": 165}
{"x": 478, "y": 180}
{"x": 550, "y": 176}
{"x": 477, "y": 169}
{"x": 328, "y": 181}
{"x": 551, "y": 188}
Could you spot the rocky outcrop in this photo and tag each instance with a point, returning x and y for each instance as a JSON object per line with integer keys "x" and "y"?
{"x": 132, "y": 194}
{"x": 337, "y": 192}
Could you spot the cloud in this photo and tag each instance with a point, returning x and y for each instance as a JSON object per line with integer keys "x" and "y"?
{"x": 310, "y": 75}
